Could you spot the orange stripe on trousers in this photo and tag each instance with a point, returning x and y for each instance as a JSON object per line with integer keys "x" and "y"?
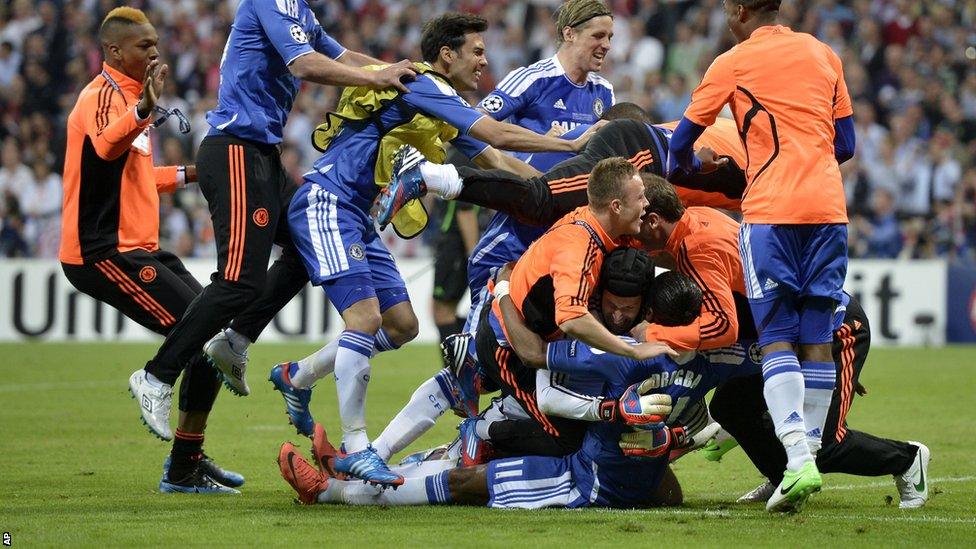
{"x": 232, "y": 240}
{"x": 847, "y": 380}
{"x": 569, "y": 184}
{"x": 238, "y": 210}
{"x": 168, "y": 318}
{"x": 130, "y": 288}
{"x": 501, "y": 357}
{"x": 241, "y": 212}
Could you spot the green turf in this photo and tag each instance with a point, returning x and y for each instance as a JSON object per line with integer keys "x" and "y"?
{"x": 78, "y": 468}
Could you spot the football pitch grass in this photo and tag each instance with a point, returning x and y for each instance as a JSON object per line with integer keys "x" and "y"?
{"x": 78, "y": 468}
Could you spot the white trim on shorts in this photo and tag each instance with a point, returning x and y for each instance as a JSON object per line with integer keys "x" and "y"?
{"x": 529, "y": 494}
{"x": 323, "y": 226}
{"x": 753, "y": 288}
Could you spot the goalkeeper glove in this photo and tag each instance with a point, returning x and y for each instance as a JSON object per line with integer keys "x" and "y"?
{"x": 646, "y": 444}
{"x": 636, "y": 408}
{"x": 684, "y": 441}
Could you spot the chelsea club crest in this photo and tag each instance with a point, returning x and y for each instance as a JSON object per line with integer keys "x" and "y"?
{"x": 357, "y": 252}
{"x": 598, "y": 107}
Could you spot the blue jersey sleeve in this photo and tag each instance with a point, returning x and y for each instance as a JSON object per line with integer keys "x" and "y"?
{"x": 568, "y": 356}
{"x": 325, "y": 44}
{"x": 844, "y": 140}
{"x": 283, "y": 28}
{"x": 441, "y": 101}
{"x": 469, "y": 146}
{"x": 681, "y": 153}
{"x": 499, "y": 105}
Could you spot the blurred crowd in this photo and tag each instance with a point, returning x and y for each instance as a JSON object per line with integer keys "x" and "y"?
{"x": 910, "y": 67}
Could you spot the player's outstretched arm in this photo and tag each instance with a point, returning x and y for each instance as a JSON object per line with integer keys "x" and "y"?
{"x": 510, "y": 137}
{"x": 358, "y": 59}
{"x": 588, "y": 329}
{"x": 315, "y": 67}
{"x": 494, "y": 159}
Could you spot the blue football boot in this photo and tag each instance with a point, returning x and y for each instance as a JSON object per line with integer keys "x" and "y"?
{"x": 406, "y": 184}
{"x": 296, "y": 400}
{"x": 368, "y": 466}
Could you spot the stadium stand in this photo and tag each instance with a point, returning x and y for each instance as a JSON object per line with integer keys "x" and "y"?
{"x": 910, "y": 66}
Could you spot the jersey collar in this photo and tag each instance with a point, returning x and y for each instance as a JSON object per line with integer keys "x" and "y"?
{"x": 130, "y": 86}
{"x": 600, "y": 231}
{"x": 769, "y": 29}
{"x": 562, "y": 72}
{"x": 682, "y": 229}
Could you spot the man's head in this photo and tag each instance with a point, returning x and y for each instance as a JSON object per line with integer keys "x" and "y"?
{"x": 583, "y": 30}
{"x": 128, "y": 41}
{"x": 453, "y": 45}
{"x": 614, "y": 189}
{"x": 663, "y": 210}
{"x": 626, "y": 111}
{"x": 625, "y": 282}
{"x": 675, "y": 299}
{"x": 745, "y": 16}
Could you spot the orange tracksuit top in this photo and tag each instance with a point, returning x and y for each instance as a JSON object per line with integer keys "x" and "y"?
{"x": 111, "y": 189}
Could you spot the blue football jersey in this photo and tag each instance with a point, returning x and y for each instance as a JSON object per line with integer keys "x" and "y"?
{"x": 541, "y": 95}
{"x": 256, "y": 88}
{"x": 626, "y": 481}
{"x": 348, "y": 164}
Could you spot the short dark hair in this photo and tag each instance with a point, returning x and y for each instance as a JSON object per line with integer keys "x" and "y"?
{"x": 675, "y": 299}
{"x": 448, "y": 30}
{"x": 662, "y": 198}
{"x": 759, "y": 6}
{"x": 626, "y": 111}
{"x": 606, "y": 181}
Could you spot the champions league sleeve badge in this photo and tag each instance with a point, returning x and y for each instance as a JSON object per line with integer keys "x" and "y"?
{"x": 494, "y": 103}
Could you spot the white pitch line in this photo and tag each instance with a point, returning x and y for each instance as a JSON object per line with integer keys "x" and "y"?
{"x": 715, "y": 513}
{"x": 882, "y": 484}
{"x": 830, "y": 488}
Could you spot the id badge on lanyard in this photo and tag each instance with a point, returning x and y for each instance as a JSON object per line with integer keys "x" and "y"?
{"x": 141, "y": 144}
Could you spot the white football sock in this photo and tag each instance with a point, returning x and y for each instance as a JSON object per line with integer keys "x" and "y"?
{"x": 426, "y": 404}
{"x": 316, "y": 366}
{"x": 783, "y": 391}
{"x": 818, "y": 380}
{"x": 352, "y": 377}
{"x": 352, "y": 492}
{"x": 441, "y": 179}
{"x": 414, "y": 491}
{"x": 322, "y": 362}
{"x": 424, "y": 468}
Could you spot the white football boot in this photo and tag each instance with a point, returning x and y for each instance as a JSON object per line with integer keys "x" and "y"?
{"x": 759, "y": 494}
{"x": 155, "y": 400}
{"x": 231, "y": 364}
{"x": 913, "y": 484}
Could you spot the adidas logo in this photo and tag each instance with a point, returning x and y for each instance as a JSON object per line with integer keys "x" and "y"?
{"x": 794, "y": 418}
{"x": 559, "y": 104}
{"x": 770, "y": 285}
{"x": 815, "y": 432}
